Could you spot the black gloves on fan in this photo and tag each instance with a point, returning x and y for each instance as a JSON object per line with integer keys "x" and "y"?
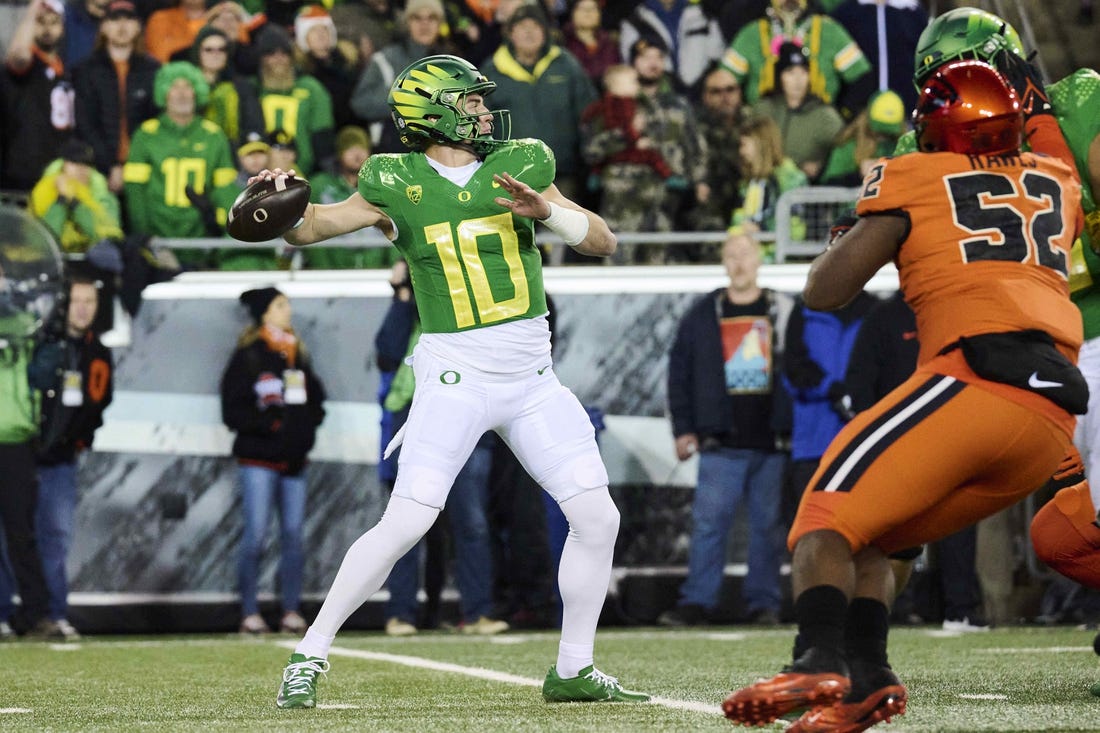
{"x": 203, "y": 205}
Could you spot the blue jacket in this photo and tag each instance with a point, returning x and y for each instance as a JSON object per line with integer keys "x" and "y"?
{"x": 818, "y": 347}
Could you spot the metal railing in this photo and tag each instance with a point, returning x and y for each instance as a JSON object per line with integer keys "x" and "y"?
{"x": 372, "y": 239}
{"x": 803, "y": 217}
{"x": 802, "y": 221}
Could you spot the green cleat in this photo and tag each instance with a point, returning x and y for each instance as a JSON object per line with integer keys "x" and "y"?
{"x": 590, "y": 685}
{"x": 299, "y": 687}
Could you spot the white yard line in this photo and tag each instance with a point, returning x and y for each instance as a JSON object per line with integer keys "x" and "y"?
{"x": 1035, "y": 650}
{"x": 489, "y": 674}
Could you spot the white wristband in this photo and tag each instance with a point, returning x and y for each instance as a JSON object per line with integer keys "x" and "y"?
{"x": 569, "y": 224}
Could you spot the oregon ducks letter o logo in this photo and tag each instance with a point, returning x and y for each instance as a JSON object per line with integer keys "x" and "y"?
{"x": 450, "y": 377}
{"x": 463, "y": 196}
{"x": 260, "y": 215}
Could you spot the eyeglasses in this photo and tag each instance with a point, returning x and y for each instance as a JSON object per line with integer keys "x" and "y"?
{"x": 213, "y": 49}
{"x": 723, "y": 90}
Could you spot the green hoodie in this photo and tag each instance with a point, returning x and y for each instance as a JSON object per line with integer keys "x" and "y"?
{"x": 18, "y": 403}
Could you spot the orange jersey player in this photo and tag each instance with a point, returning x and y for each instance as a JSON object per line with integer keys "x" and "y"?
{"x": 981, "y": 235}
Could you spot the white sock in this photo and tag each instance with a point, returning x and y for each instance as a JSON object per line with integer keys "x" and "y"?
{"x": 314, "y": 644}
{"x": 584, "y": 575}
{"x": 369, "y": 560}
{"x": 572, "y": 658}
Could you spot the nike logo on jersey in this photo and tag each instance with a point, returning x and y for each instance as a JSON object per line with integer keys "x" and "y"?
{"x": 540, "y": 371}
{"x": 1035, "y": 383}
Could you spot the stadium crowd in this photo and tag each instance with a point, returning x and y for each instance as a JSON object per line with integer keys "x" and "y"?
{"x": 124, "y": 121}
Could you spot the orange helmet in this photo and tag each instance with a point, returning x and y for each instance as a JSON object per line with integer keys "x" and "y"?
{"x": 968, "y": 107}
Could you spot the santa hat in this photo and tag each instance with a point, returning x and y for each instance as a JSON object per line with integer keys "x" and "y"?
{"x": 309, "y": 17}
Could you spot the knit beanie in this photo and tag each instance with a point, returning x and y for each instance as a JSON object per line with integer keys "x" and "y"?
{"x": 167, "y": 75}
{"x": 789, "y": 56}
{"x": 350, "y": 136}
{"x": 309, "y": 17}
{"x": 206, "y": 32}
{"x": 271, "y": 38}
{"x": 258, "y": 300}
{"x": 528, "y": 12}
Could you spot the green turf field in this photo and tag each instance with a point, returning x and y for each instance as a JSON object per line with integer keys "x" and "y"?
{"x": 1017, "y": 679}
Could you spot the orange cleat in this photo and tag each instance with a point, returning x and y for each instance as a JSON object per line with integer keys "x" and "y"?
{"x": 853, "y": 717}
{"x": 768, "y": 700}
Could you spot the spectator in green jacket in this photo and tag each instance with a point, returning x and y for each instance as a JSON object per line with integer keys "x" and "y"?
{"x": 352, "y": 150}
{"x": 546, "y": 89}
{"x": 73, "y": 201}
{"x": 839, "y": 72}
{"x": 233, "y": 103}
{"x": 252, "y": 157}
{"x": 807, "y": 125}
{"x": 297, "y": 104}
{"x": 177, "y": 163}
{"x": 18, "y": 432}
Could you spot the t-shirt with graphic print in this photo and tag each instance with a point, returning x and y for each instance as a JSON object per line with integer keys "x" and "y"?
{"x": 749, "y": 369}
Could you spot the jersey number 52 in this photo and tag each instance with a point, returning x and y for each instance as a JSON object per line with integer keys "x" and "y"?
{"x": 989, "y": 205}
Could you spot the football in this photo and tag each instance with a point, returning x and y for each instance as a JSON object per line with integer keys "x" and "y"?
{"x": 267, "y": 208}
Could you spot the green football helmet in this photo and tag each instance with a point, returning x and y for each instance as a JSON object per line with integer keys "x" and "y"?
{"x": 428, "y": 99}
{"x": 963, "y": 33}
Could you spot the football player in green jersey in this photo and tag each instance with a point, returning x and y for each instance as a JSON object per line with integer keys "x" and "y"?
{"x": 461, "y": 210}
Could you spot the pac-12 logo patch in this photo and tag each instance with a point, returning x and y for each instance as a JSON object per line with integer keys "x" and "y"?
{"x": 414, "y": 193}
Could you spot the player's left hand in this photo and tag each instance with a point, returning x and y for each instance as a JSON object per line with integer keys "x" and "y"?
{"x": 525, "y": 200}
{"x": 842, "y": 225}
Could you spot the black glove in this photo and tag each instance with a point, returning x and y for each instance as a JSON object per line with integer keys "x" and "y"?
{"x": 202, "y": 204}
{"x": 45, "y": 366}
{"x": 1027, "y": 81}
{"x": 803, "y": 373}
{"x": 843, "y": 223}
{"x": 841, "y": 401}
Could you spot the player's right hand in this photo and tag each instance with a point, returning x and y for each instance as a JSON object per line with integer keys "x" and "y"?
{"x": 271, "y": 175}
{"x": 1027, "y": 81}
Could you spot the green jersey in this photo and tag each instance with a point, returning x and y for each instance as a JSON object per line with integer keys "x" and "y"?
{"x": 473, "y": 263}
{"x": 329, "y": 188}
{"x": 1075, "y": 100}
{"x": 165, "y": 160}
{"x": 1076, "y": 103}
{"x": 18, "y": 402}
{"x": 835, "y": 59}
{"x": 302, "y": 112}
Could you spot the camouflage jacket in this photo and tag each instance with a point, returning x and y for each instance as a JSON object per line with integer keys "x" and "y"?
{"x": 671, "y": 126}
